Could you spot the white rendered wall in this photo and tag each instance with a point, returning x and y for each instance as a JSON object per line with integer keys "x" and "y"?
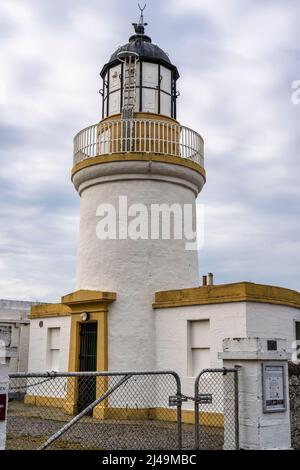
{"x": 38, "y": 346}
{"x": 267, "y": 320}
{"x": 24, "y": 348}
{"x": 135, "y": 270}
{"x": 172, "y": 348}
{"x": 230, "y": 320}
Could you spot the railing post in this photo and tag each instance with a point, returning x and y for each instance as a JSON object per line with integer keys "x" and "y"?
{"x": 196, "y": 429}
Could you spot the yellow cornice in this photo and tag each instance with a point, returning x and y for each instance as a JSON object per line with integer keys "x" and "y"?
{"x": 84, "y": 296}
{"x": 144, "y": 116}
{"x": 76, "y": 302}
{"x": 144, "y": 157}
{"x": 49, "y": 310}
{"x": 88, "y": 300}
{"x": 225, "y": 293}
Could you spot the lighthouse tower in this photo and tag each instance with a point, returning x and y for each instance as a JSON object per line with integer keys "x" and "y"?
{"x": 138, "y": 173}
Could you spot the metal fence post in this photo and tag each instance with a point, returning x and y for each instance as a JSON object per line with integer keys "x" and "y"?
{"x": 236, "y": 397}
{"x": 179, "y": 412}
{"x": 196, "y": 432}
{"x": 4, "y": 382}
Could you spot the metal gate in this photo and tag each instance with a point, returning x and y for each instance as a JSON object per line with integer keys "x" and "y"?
{"x": 131, "y": 411}
{"x": 216, "y": 410}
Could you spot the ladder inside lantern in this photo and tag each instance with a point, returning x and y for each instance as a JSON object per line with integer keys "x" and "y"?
{"x": 129, "y": 101}
{"x": 129, "y": 86}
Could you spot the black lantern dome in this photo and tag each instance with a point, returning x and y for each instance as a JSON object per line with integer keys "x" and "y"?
{"x": 142, "y": 45}
{"x": 149, "y": 70}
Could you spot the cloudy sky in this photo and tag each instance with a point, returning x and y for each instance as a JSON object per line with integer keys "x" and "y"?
{"x": 237, "y": 60}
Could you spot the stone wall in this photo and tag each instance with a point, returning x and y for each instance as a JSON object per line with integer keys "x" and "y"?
{"x": 294, "y": 384}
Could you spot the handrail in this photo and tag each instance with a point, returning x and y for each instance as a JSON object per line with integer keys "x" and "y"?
{"x": 138, "y": 136}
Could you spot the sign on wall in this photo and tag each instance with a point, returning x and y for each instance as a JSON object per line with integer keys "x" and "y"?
{"x": 274, "y": 393}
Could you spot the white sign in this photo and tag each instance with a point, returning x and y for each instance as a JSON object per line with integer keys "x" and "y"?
{"x": 273, "y": 388}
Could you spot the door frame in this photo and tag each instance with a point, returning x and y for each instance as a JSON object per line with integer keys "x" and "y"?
{"x": 96, "y": 304}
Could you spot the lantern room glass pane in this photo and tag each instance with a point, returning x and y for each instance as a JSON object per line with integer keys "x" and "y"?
{"x": 150, "y": 100}
{"x": 150, "y": 75}
{"x": 165, "y": 104}
{"x": 138, "y": 68}
{"x": 104, "y": 86}
{"x": 114, "y": 78}
{"x": 114, "y": 102}
{"x": 166, "y": 79}
{"x": 137, "y": 101}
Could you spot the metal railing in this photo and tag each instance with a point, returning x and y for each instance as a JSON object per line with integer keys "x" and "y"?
{"x": 138, "y": 136}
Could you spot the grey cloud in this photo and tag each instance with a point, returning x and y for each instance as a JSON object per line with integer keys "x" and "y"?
{"x": 235, "y": 84}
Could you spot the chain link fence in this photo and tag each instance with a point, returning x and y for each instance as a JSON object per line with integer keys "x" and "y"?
{"x": 121, "y": 411}
{"x": 81, "y": 411}
{"x": 216, "y": 410}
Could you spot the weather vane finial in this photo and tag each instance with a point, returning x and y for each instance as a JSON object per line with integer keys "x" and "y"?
{"x": 140, "y": 26}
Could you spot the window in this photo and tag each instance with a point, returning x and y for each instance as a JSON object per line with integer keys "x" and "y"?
{"x": 198, "y": 346}
{"x": 297, "y": 330}
{"x": 53, "y": 352}
{"x": 5, "y": 335}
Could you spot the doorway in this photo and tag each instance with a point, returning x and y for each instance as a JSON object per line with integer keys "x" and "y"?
{"x": 87, "y": 363}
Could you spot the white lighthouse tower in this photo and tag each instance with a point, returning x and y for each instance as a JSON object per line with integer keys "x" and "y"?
{"x": 139, "y": 172}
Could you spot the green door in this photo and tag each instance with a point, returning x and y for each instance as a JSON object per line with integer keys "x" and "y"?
{"x": 87, "y": 363}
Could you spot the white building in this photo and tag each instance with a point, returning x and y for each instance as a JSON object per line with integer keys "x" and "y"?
{"x": 14, "y": 334}
{"x": 137, "y": 303}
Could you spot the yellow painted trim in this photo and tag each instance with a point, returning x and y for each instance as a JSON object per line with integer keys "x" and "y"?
{"x": 78, "y": 301}
{"x": 146, "y": 157}
{"x": 102, "y": 357}
{"x": 102, "y": 348}
{"x": 85, "y": 296}
{"x": 225, "y": 293}
{"x": 38, "y": 400}
{"x": 206, "y": 418}
{"x": 103, "y": 411}
{"x": 123, "y": 414}
{"x": 96, "y": 304}
{"x": 49, "y": 310}
{"x": 150, "y": 116}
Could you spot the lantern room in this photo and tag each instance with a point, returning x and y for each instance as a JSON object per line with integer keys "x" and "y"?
{"x": 139, "y": 77}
